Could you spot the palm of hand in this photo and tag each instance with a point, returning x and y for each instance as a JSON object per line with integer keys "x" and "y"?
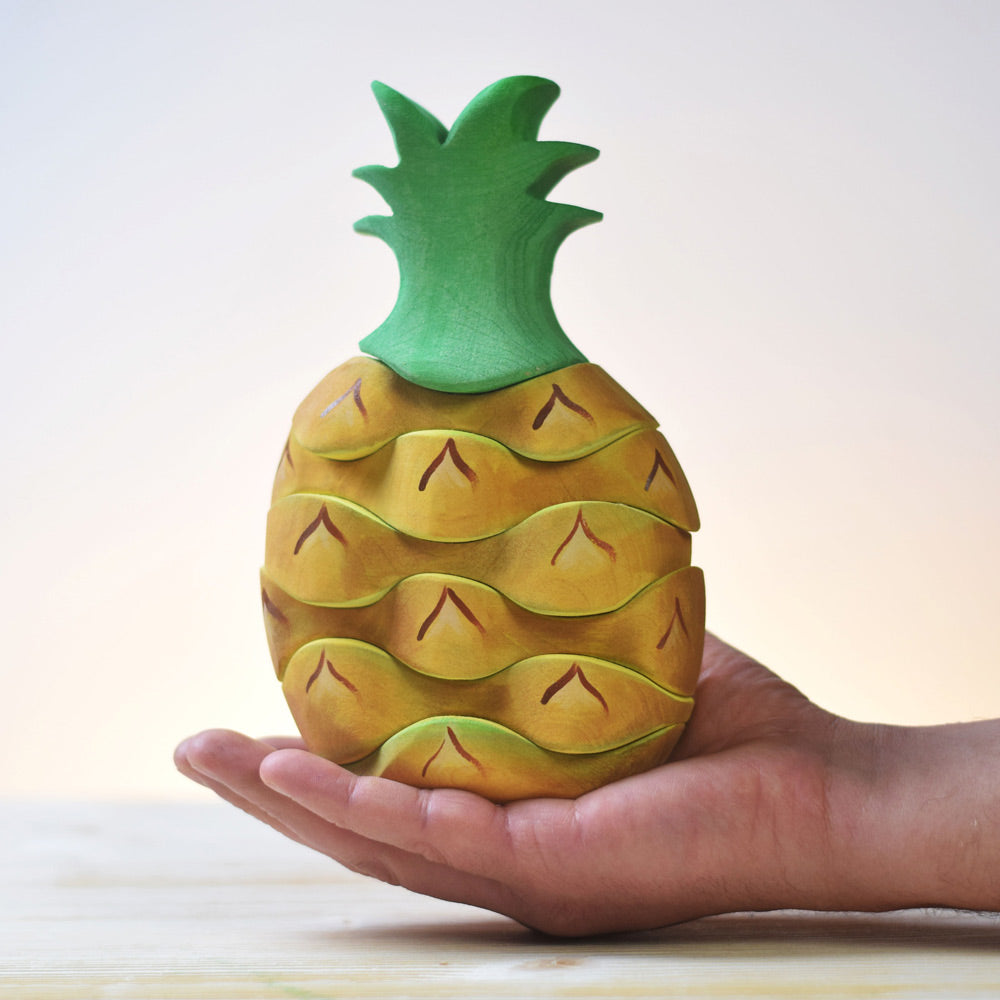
{"x": 735, "y": 821}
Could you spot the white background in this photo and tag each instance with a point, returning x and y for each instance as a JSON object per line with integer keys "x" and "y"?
{"x": 798, "y": 272}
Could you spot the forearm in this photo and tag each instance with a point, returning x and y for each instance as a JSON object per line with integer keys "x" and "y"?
{"x": 918, "y": 813}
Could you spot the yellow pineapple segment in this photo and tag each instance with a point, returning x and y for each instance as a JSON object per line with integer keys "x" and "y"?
{"x": 484, "y": 757}
{"x": 457, "y": 486}
{"x": 363, "y": 404}
{"x": 574, "y": 558}
{"x": 352, "y": 696}
{"x": 448, "y": 626}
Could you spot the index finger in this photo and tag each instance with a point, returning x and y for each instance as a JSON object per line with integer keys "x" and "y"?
{"x": 444, "y": 825}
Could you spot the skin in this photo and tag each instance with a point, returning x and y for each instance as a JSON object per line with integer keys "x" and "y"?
{"x": 769, "y": 802}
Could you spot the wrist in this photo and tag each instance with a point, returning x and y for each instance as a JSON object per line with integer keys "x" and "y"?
{"x": 919, "y": 816}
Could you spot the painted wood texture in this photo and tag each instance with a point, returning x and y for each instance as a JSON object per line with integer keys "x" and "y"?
{"x": 360, "y": 696}
{"x": 575, "y": 558}
{"x": 474, "y": 238}
{"x": 362, "y": 405}
{"x": 434, "y": 570}
{"x": 197, "y": 902}
{"x": 448, "y": 626}
{"x": 449, "y": 485}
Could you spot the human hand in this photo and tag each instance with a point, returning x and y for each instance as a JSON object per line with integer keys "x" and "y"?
{"x": 769, "y": 802}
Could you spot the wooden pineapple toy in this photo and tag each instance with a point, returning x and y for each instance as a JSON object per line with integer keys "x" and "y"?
{"x": 477, "y": 568}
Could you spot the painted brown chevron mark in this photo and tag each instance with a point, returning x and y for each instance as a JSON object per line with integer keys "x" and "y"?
{"x": 447, "y": 594}
{"x": 559, "y": 396}
{"x": 336, "y": 675}
{"x": 659, "y": 465}
{"x": 322, "y": 518}
{"x": 431, "y": 759}
{"x": 581, "y": 525}
{"x": 451, "y": 449}
{"x": 462, "y": 752}
{"x": 271, "y": 608}
{"x": 286, "y": 456}
{"x": 676, "y": 619}
{"x": 355, "y": 393}
{"x": 574, "y": 671}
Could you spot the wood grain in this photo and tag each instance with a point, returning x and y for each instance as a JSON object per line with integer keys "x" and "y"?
{"x": 345, "y": 418}
{"x": 575, "y": 558}
{"x": 175, "y": 901}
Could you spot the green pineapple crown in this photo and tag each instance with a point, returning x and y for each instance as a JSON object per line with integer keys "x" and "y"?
{"x": 474, "y": 238}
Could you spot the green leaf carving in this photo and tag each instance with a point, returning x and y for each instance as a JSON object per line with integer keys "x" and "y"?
{"x": 474, "y": 238}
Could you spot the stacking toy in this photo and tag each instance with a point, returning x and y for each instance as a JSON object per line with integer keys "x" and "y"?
{"x": 478, "y": 561}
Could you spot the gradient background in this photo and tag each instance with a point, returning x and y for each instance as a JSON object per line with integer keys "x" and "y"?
{"x": 798, "y": 273}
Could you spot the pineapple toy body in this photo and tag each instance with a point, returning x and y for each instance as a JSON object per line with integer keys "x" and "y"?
{"x": 477, "y": 569}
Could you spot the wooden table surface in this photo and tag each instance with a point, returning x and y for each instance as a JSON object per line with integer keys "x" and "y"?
{"x": 199, "y": 901}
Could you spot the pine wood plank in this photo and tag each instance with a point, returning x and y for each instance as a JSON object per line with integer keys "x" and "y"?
{"x": 187, "y": 900}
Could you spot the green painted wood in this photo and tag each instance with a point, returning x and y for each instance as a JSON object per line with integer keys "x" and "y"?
{"x": 475, "y": 239}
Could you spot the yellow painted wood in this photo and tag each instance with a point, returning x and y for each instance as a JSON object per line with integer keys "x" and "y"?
{"x": 491, "y": 760}
{"x": 454, "y": 486}
{"x": 347, "y": 697}
{"x": 395, "y": 506}
{"x": 447, "y": 626}
{"x": 362, "y": 404}
{"x": 196, "y": 901}
{"x": 574, "y": 558}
